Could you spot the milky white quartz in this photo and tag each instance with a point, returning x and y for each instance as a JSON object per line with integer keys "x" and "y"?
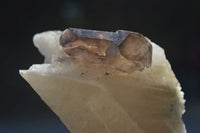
{"x": 147, "y": 101}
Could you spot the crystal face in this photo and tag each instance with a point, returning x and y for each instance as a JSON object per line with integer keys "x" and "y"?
{"x": 97, "y": 82}
{"x": 125, "y": 51}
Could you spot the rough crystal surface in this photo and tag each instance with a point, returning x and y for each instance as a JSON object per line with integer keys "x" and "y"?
{"x": 94, "y": 98}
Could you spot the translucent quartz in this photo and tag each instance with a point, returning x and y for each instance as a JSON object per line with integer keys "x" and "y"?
{"x": 111, "y": 92}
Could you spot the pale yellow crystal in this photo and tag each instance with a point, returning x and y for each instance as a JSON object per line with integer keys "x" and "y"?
{"x": 150, "y": 101}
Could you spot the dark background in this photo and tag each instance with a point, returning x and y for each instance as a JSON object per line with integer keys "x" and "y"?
{"x": 173, "y": 24}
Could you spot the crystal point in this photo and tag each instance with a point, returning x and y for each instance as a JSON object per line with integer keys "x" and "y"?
{"x": 96, "y": 82}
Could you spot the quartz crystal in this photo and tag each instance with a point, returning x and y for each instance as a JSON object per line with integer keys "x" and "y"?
{"x": 107, "y": 82}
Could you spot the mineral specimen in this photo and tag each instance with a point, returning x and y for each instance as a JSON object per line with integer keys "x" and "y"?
{"x": 107, "y": 82}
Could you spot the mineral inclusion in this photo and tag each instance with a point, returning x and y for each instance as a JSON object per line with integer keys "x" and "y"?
{"x": 124, "y": 51}
{"x": 107, "y": 82}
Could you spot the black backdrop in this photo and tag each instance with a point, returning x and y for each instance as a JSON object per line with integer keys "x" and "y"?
{"x": 173, "y": 24}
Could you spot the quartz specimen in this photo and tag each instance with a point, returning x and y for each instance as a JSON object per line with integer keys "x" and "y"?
{"x": 107, "y": 82}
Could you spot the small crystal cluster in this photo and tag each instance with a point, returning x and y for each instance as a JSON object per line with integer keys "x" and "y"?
{"x": 123, "y": 50}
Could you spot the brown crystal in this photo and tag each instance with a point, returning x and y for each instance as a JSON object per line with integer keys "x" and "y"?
{"x": 137, "y": 49}
{"x": 133, "y": 53}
